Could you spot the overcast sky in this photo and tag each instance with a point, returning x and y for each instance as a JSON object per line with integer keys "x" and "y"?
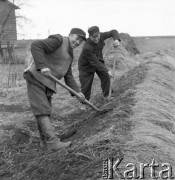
{"x": 135, "y": 17}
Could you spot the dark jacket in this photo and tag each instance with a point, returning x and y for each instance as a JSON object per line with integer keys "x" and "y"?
{"x": 91, "y": 57}
{"x": 55, "y": 53}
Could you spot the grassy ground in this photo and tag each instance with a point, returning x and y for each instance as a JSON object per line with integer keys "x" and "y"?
{"x": 139, "y": 127}
{"x": 148, "y": 44}
{"x": 11, "y": 76}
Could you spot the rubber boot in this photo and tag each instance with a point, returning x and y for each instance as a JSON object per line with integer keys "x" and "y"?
{"x": 52, "y": 142}
{"x": 42, "y": 138}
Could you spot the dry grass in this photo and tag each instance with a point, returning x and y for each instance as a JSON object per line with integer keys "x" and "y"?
{"x": 141, "y": 127}
{"x": 11, "y": 76}
{"x": 154, "y": 112}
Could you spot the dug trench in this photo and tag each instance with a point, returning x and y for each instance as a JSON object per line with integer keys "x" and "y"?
{"x": 94, "y": 136}
{"x": 138, "y": 128}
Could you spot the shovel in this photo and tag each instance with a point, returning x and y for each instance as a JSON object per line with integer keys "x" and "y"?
{"x": 73, "y": 92}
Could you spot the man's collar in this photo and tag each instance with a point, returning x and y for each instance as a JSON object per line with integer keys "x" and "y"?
{"x": 70, "y": 49}
{"x": 91, "y": 42}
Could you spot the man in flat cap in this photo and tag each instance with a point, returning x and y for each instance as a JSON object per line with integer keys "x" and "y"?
{"x": 52, "y": 55}
{"x": 91, "y": 60}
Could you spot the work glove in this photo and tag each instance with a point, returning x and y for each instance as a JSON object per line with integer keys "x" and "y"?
{"x": 82, "y": 98}
{"x": 45, "y": 71}
{"x": 110, "y": 74}
{"x": 116, "y": 43}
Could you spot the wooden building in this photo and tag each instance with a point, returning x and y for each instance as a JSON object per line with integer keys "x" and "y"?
{"x": 8, "y": 32}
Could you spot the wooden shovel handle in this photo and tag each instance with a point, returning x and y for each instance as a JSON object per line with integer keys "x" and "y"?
{"x": 72, "y": 91}
{"x": 112, "y": 79}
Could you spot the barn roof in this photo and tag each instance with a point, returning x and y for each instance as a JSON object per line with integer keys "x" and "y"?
{"x": 11, "y": 4}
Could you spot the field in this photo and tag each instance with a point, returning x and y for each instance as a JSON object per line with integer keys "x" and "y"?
{"x": 152, "y": 43}
{"x": 139, "y": 128}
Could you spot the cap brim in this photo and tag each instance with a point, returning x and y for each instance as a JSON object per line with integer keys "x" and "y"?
{"x": 94, "y": 33}
{"x": 84, "y": 38}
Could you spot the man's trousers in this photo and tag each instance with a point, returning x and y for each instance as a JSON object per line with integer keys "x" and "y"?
{"x": 86, "y": 80}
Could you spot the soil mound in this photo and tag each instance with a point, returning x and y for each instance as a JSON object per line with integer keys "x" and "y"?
{"x": 127, "y": 43}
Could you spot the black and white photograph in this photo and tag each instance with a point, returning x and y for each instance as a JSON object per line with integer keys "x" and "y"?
{"x": 87, "y": 89}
